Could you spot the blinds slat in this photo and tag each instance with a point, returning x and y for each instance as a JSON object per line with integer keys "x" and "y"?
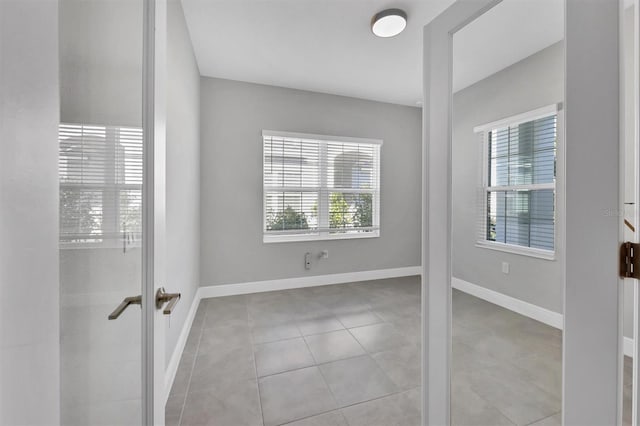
{"x": 300, "y": 175}
{"x": 100, "y": 170}
{"x": 521, "y": 155}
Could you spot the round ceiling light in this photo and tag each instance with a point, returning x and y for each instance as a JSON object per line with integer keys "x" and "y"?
{"x": 389, "y": 22}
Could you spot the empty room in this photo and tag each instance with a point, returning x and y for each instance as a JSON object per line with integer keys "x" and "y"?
{"x": 319, "y": 213}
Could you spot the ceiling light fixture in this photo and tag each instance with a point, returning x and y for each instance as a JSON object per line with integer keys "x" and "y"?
{"x": 389, "y": 22}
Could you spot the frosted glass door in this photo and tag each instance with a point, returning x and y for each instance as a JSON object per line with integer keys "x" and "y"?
{"x": 100, "y": 171}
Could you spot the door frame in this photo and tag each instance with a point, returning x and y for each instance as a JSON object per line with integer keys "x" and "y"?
{"x": 635, "y": 89}
{"x": 153, "y": 209}
{"x": 592, "y": 337}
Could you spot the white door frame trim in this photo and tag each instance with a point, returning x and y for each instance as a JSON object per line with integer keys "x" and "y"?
{"x": 153, "y": 209}
{"x": 592, "y": 341}
{"x": 436, "y": 206}
{"x": 148, "y": 310}
{"x": 635, "y": 89}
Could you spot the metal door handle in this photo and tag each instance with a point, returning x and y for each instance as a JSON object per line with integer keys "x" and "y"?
{"x": 131, "y": 300}
{"x": 163, "y": 297}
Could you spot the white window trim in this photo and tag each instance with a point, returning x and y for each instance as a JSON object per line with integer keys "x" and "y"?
{"x": 557, "y": 186}
{"x": 323, "y": 207}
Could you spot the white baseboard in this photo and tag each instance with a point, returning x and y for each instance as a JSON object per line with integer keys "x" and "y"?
{"x": 530, "y": 310}
{"x": 271, "y": 285}
{"x": 554, "y": 319}
{"x": 310, "y": 281}
{"x": 627, "y": 346}
{"x": 174, "y": 362}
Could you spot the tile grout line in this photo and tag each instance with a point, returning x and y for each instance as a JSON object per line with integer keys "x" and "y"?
{"x": 253, "y": 356}
{"x": 541, "y": 419}
{"x": 324, "y": 379}
{"x": 193, "y": 363}
{"x": 339, "y": 408}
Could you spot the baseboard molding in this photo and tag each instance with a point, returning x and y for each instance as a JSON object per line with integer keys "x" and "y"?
{"x": 530, "y": 310}
{"x": 310, "y": 281}
{"x": 174, "y": 362}
{"x": 270, "y": 285}
{"x": 627, "y": 346}
{"x": 527, "y": 309}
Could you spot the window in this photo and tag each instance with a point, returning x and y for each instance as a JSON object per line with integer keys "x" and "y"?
{"x": 518, "y": 207}
{"x": 320, "y": 187}
{"x": 100, "y": 170}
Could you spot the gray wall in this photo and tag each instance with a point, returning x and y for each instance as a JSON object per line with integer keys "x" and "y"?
{"x": 183, "y": 170}
{"x": 29, "y": 111}
{"x": 531, "y": 83}
{"x": 233, "y": 114}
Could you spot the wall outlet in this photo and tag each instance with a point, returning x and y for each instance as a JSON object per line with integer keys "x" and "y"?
{"x": 307, "y": 260}
{"x": 324, "y": 254}
{"x": 505, "y": 267}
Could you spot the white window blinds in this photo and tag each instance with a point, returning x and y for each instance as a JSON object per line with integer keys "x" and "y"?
{"x": 318, "y": 187}
{"x": 519, "y": 185}
{"x": 100, "y": 170}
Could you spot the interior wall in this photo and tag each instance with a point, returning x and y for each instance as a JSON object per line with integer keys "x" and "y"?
{"x": 534, "y": 82}
{"x": 233, "y": 115}
{"x": 29, "y": 305}
{"x": 183, "y": 170}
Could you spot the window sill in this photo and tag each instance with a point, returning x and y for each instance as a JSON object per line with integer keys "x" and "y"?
{"x": 268, "y": 239}
{"x": 522, "y": 251}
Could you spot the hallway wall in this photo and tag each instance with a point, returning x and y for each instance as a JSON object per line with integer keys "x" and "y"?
{"x": 29, "y": 305}
{"x": 183, "y": 170}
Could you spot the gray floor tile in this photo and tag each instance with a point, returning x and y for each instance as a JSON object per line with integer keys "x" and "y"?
{"x": 294, "y": 395}
{"x": 224, "y": 337}
{"x": 402, "y": 365}
{"x": 511, "y": 391}
{"x": 393, "y": 410}
{"x": 469, "y": 409}
{"x": 319, "y": 325}
{"x": 359, "y": 318}
{"x": 173, "y": 410}
{"x": 219, "y": 315}
{"x": 183, "y": 376}
{"x": 379, "y": 337}
{"x": 236, "y": 405}
{"x": 332, "y": 418}
{"x": 273, "y": 333}
{"x": 218, "y": 368}
{"x": 285, "y": 355}
{"x": 506, "y": 367}
{"x": 333, "y": 346}
{"x": 356, "y": 380}
{"x": 555, "y": 420}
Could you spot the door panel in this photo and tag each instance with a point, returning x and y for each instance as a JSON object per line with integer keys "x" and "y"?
{"x": 101, "y": 148}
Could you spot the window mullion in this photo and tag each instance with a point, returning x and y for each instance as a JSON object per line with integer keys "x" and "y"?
{"x": 323, "y": 195}
{"x": 110, "y": 214}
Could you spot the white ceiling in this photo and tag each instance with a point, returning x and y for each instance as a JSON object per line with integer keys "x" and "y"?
{"x": 327, "y": 45}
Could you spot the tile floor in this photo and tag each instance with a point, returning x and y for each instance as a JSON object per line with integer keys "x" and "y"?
{"x": 347, "y": 355}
